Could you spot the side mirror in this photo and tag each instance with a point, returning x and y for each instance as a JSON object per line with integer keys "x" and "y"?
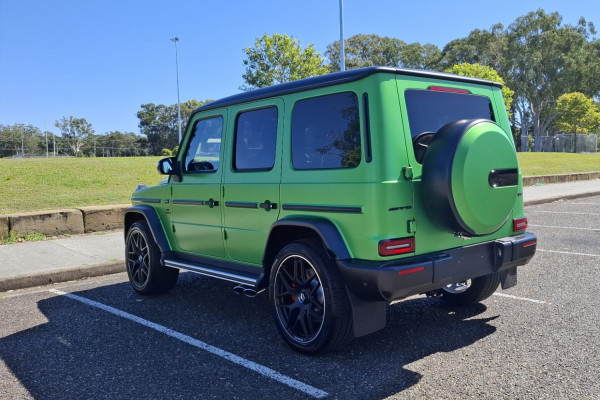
{"x": 167, "y": 166}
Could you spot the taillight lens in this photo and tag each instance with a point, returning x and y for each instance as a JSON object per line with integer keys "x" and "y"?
{"x": 394, "y": 247}
{"x": 519, "y": 224}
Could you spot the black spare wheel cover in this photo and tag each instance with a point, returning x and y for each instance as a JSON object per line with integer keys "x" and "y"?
{"x": 470, "y": 177}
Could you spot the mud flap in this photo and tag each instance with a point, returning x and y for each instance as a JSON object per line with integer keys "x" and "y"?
{"x": 367, "y": 316}
{"x": 508, "y": 278}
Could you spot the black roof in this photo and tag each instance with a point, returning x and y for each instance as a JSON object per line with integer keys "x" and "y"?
{"x": 334, "y": 79}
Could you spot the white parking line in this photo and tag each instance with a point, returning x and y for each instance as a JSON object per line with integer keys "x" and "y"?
{"x": 568, "y": 252}
{"x": 565, "y": 227}
{"x": 261, "y": 369}
{"x": 559, "y": 212}
{"x": 510, "y": 296}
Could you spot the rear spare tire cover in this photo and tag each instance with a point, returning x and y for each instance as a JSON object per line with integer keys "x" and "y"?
{"x": 470, "y": 177}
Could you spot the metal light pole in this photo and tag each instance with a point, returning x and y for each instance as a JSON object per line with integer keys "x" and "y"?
{"x": 342, "y": 54}
{"x": 175, "y": 40}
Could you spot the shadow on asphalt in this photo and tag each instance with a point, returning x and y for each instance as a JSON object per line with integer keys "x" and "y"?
{"x": 84, "y": 352}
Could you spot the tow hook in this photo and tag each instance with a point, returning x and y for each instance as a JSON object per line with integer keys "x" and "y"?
{"x": 434, "y": 293}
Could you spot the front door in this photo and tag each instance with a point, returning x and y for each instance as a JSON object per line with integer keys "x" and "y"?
{"x": 196, "y": 201}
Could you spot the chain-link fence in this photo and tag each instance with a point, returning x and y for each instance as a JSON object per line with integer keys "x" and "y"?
{"x": 567, "y": 143}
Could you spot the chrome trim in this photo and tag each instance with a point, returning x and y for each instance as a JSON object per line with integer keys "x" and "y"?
{"x": 226, "y": 276}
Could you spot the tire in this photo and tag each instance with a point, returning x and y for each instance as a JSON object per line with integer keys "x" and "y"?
{"x": 309, "y": 301}
{"x": 472, "y": 291}
{"x": 146, "y": 273}
{"x": 470, "y": 178}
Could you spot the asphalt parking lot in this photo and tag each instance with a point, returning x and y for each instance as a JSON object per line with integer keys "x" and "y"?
{"x": 97, "y": 339}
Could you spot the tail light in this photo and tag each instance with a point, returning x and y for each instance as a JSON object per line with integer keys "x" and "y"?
{"x": 519, "y": 224}
{"x": 394, "y": 247}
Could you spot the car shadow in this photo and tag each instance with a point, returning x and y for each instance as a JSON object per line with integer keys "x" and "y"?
{"x": 85, "y": 352}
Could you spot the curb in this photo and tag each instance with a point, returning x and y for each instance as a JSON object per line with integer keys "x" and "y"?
{"x": 60, "y": 275}
{"x": 560, "y": 178}
{"x": 560, "y": 197}
{"x": 67, "y": 221}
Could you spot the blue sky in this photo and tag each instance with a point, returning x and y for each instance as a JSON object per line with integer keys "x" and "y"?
{"x": 101, "y": 59}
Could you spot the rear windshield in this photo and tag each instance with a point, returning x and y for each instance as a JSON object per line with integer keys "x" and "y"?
{"x": 429, "y": 110}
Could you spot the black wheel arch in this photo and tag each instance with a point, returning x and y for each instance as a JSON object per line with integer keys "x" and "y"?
{"x": 289, "y": 230}
{"x": 148, "y": 214}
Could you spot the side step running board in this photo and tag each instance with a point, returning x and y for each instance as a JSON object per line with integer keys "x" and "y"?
{"x": 214, "y": 273}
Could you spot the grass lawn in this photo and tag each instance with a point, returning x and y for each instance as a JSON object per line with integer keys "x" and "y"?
{"x": 37, "y": 184}
{"x": 535, "y": 164}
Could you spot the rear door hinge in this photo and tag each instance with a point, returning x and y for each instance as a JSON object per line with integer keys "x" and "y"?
{"x": 407, "y": 172}
{"x": 411, "y": 226}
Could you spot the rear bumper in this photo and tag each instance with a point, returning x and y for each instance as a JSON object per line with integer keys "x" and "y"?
{"x": 402, "y": 278}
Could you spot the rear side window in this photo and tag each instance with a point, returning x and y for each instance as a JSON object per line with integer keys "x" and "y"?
{"x": 255, "y": 140}
{"x": 429, "y": 110}
{"x": 202, "y": 154}
{"x": 326, "y": 132}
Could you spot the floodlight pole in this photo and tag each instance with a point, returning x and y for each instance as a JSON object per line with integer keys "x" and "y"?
{"x": 175, "y": 40}
{"x": 342, "y": 54}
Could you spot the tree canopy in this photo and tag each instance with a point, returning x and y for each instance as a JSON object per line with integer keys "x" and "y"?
{"x": 576, "y": 113}
{"x": 159, "y": 123}
{"x": 484, "y": 72}
{"x": 278, "y": 59}
{"x": 75, "y": 131}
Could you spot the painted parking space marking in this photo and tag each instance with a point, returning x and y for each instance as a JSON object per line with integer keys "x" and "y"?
{"x": 568, "y": 252}
{"x": 565, "y": 227}
{"x": 561, "y": 212}
{"x": 261, "y": 369}
{"x": 510, "y": 296}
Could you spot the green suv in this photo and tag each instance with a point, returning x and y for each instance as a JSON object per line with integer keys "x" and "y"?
{"x": 336, "y": 195}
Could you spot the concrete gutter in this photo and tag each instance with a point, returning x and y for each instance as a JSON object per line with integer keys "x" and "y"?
{"x": 60, "y": 275}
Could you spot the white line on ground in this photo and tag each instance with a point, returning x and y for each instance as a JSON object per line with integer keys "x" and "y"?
{"x": 261, "y": 369}
{"x": 560, "y": 212}
{"x": 565, "y": 227}
{"x": 568, "y": 252}
{"x": 510, "y": 296}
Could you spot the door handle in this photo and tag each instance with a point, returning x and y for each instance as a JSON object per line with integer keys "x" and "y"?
{"x": 211, "y": 203}
{"x": 267, "y": 205}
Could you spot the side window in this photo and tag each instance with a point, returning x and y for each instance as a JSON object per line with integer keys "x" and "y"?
{"x": 326, "y": 132}
{"x": 202, "y": 154}
{"x": 255, "y": 140}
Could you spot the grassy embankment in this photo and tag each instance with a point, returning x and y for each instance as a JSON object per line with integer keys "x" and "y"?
{"x": 55, "y": 183}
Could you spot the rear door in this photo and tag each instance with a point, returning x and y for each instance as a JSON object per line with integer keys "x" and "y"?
{"x": 251, "y": 178}
{"x": 428, "y": 105}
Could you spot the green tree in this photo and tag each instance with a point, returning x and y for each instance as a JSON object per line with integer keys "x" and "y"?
{"x": 365, "y": 51}
{"x": 21, "y": 139}
{"x": 159, "y": 123}
{"x": 277, "y": 59}
{"x": 484, "y": 72}
{"x": 576, "y": 113}
{"x": 373, "y": 50}
{"x": 480, "y": 47}
{"x": 416, "y": 55}
{"x": 547, "y": 60}
{"x": 75, "y": 131}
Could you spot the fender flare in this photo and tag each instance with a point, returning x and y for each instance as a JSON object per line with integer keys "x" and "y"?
{"x": 148, "y": 214}
{"x": 327, "y": 231}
